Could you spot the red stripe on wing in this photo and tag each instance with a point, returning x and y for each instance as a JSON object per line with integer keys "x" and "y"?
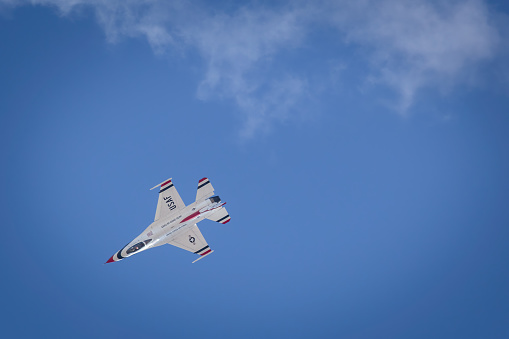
{"x": 205, "y": 252}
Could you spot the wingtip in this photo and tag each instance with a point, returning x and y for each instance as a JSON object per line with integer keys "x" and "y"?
{"x": 159, "y": 185}
{"x": 209, "y": 252}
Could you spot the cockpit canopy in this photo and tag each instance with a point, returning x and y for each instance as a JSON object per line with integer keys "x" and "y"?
{"x": 138, "y": 246}
{"x": 215, "y": 199}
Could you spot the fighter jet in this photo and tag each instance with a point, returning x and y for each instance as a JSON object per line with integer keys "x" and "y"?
{"x": 175, "y": 223}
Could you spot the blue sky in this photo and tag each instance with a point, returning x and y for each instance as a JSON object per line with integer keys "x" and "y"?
{"x": 362, "y": 149}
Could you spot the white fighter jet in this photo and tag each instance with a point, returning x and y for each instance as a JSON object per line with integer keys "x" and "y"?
{"x": 175, "y": 223}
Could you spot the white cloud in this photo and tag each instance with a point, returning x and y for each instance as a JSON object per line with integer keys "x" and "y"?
{"x": 274, "y": 104}
{"x": 419, "y": 43}
{"x": 238, "y": 50}
{"x": 234, "y": 45}
{"x": 408, "y": 45}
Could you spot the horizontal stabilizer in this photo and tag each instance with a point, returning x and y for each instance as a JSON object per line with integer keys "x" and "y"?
{"x": 220, "y": 216}
{"x": 205, "y": 189}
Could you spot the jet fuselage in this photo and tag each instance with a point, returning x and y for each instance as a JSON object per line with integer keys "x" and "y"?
{"x": 163, "y": 231}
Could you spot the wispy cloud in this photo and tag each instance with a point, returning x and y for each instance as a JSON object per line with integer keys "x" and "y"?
{"x": 238, "y": 50}
{"x": 415, "y": 44}
{"x": 151, "y": 19}
{"x": 408, "y": 45}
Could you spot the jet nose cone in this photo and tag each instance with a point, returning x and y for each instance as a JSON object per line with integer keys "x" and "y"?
{"x": 110, "y": 260}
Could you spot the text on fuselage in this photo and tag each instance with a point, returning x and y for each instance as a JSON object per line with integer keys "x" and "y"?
{"x": 171, "y": 221}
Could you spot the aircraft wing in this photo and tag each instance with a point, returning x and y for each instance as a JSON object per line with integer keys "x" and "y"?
{"x": 169, "y": 200}
{"x": 193, "y": 241}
